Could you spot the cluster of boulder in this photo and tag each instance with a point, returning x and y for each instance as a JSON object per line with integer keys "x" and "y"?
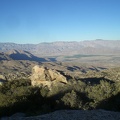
{"x": 42, "y": 76}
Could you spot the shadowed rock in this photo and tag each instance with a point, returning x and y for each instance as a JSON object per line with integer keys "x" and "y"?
{"x": 72, "y": 115}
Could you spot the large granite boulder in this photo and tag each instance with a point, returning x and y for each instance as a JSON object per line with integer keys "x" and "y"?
{"x": 46, "y": 77}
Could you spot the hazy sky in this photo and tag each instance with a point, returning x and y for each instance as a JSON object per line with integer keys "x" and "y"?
{"x": 35, "y": 21}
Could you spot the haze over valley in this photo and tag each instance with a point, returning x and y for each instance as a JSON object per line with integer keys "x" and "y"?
{"x": 93, "y": 52}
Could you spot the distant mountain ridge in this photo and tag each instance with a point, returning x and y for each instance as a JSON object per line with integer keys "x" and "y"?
{"x": 66, "y": 48}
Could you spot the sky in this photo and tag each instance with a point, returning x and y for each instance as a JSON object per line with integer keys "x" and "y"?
{"x": 36, "y": 21}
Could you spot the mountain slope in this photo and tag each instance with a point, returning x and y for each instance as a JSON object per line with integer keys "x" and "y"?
{"x": 23, "y": 55}
{"x": 4, "y": 56}
{"x": 20, "y": 55}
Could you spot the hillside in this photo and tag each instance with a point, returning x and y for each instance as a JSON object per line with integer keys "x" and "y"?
{"x": 55, "y": 90}
{"x": 4, "y": 56}
{"x": 83, "y": 76}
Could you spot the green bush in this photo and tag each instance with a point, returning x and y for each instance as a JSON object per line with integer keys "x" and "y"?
{"x": 101, "y": 91}
{"x": 20, "y": 96}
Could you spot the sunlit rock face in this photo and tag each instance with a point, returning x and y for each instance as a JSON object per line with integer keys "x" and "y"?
{"x": 46, "y": 77}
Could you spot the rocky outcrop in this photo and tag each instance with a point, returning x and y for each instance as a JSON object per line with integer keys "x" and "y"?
{"x": 46, "y": 77}
{"x": 72, "y": 115}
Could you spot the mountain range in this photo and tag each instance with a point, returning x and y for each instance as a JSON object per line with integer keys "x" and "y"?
{"x": 93, "y": 47}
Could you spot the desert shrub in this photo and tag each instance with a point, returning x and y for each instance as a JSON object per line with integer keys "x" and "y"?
{"x": 75, "y": 100}
{"x": 117, "y": 88}
{"x": 79, "y": 86}
{"x": 70, "y": 99}
{"x": 101, "y": 91}
{"x": 18, "y": 96}
{"x": 112, "y": 103}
